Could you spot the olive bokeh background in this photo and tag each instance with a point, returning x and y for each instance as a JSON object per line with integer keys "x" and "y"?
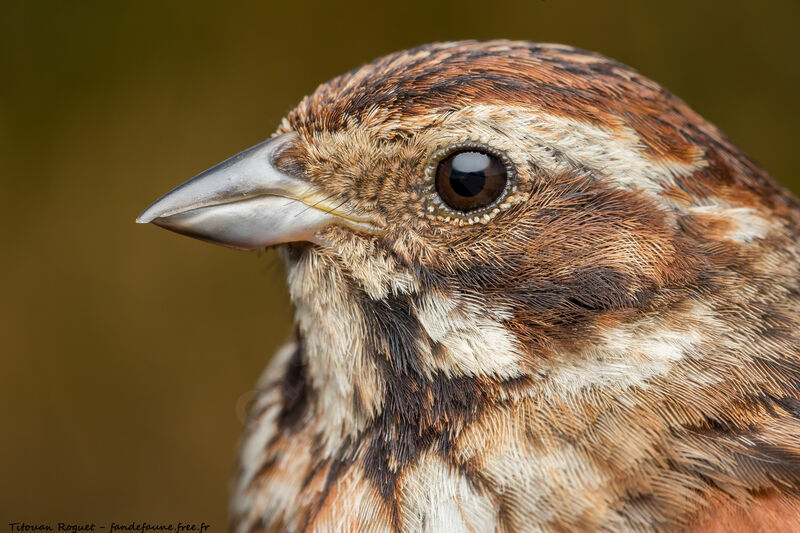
{"x": 128, "y": 352}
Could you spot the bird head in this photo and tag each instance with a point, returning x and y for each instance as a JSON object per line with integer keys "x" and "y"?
{"x": 494, "y": 213}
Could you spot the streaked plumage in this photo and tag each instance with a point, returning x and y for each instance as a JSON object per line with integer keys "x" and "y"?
{"x": 612, "y": 346}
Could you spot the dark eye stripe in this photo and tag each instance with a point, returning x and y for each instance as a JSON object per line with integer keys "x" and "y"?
{"x": 470, "y": 179}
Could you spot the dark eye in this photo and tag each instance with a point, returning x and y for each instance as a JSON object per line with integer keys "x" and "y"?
{"x": 470, "y": 179}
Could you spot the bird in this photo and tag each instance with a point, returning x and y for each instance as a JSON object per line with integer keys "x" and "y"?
{"x": 533, "y": 291}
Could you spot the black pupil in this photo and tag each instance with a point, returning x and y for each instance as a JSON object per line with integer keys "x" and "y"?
{"x": 468, "y": 174}
{"x": 470, "y": 180}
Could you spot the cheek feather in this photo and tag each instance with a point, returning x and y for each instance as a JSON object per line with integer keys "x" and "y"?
{"x": 626, "y": 356}
{"x": 738, "y": 224}
{"x": 371, "y": 266}
{"x": 468, "y": 340}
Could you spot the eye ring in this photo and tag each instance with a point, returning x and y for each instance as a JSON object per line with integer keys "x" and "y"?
{"x": 474, "y": 189}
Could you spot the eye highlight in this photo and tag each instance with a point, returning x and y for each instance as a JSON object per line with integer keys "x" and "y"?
{"x": 470, "y": 177}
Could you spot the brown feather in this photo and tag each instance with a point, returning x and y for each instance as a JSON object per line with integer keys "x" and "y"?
{"x": 615, "y": 347}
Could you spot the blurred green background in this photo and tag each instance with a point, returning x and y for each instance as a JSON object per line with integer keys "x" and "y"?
{"x": 128, "y": 352}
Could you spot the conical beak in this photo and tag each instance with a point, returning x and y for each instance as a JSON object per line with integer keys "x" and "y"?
{"x": 245, "y": 202}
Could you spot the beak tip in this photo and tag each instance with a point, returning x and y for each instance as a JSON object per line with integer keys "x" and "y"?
{"x": 147, "y": 216}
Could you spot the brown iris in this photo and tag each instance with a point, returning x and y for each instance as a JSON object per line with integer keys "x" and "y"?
{"x": 470, "y": 179}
